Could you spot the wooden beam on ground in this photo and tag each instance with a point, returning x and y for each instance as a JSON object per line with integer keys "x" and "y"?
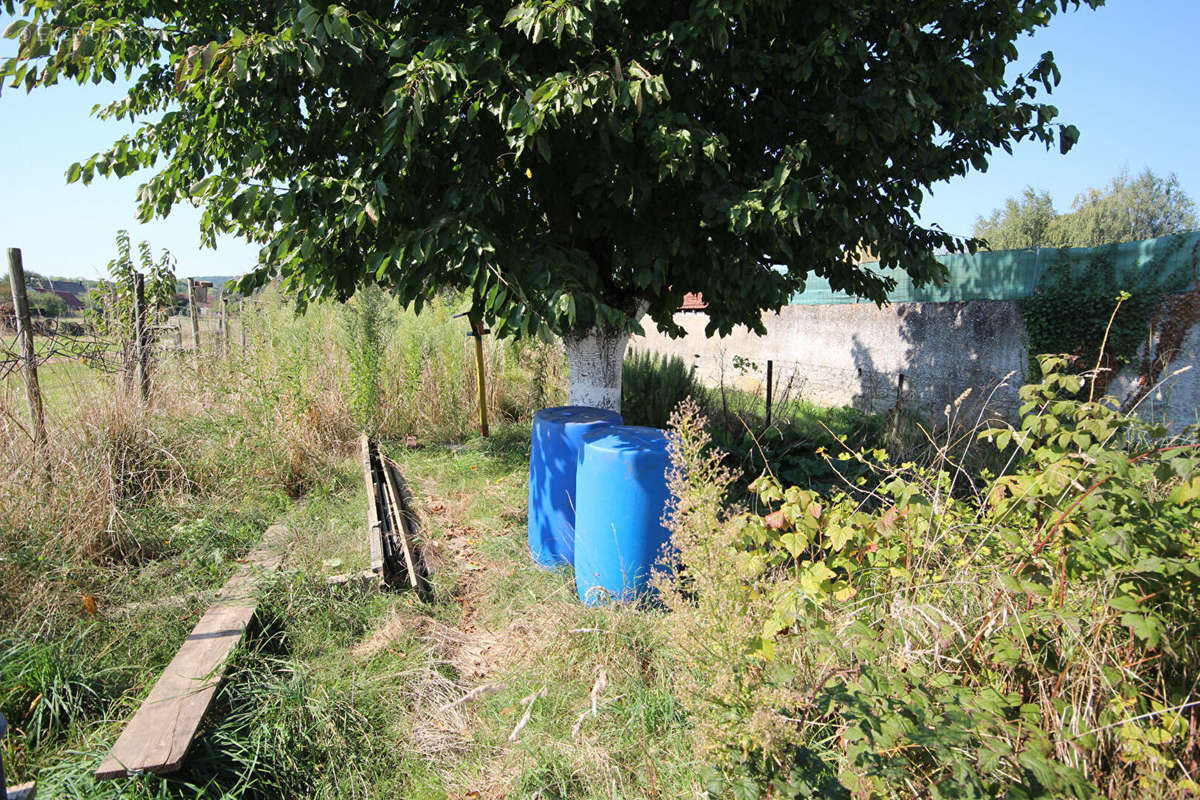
{"x": 158, "y": 736}
{"x": 26, "y": 791}
{"x": 374, "y": 528}
{"x": 400, "y": 522}
{"x": 366, "y": 578}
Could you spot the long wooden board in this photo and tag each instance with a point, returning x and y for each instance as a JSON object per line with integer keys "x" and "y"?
{"x": 374, "y": 528}
{"x": 158, "y": 736}
{"x": 399, "y": 526}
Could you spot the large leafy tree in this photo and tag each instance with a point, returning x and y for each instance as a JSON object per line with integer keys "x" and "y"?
{"x": 570, "y": 163}
{"x": 1024, "y": 221}
{"x": 1126, "y": 210}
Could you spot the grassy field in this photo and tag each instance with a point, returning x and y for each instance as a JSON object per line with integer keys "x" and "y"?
{"x": 339, "y": 692}
{"x": 928, "y": 625}
{"x": 351, "y": 693}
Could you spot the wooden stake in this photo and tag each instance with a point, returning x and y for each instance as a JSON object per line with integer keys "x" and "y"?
{"x": 33, "y": 390}
{"x": 223, "y": 324}
{"x": 480, "y": 377}
{"x": 770, "y": 386}
{"x": 195, "y": 309}
{"x": 141, "y": 356}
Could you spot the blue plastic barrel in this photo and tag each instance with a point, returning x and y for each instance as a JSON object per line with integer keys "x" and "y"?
{"x": 553, "y": 457}
{"x": 622, "y": 494}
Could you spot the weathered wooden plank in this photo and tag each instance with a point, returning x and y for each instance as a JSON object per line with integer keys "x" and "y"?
{"x": 26, "y": 791}
{"x": 158, "y": 736}
{"x": 400, "y": 528}
{"x": 374, "y": 529}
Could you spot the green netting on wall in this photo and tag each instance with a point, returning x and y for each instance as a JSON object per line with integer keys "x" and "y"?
{"x": 1013, "y": 274}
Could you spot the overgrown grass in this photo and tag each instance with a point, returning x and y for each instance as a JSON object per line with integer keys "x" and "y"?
{"x": 893, "y": 637}
{"x": 344, "y": 692}
{"x": 417, "y": 374}
{"x": 793, "y": 441}
{"x": 932, "y": 633}
{"x": 338, "y": 692}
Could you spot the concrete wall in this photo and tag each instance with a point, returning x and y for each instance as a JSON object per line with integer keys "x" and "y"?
{"x": 923, "y": 356}
{"x": 1175, "y": 399}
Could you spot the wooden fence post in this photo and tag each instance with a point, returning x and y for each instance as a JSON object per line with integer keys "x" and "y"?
{"x": 195, "y": 311}
{"x": 33, "y": 391}
{"x": 770, "y": 386}
{"x": 477, "y": 332}
{"x": 224, "y": 325}
{"x": 179, "y": 336}
{"x": 141, "y": 348}
{"x": 242, "y": 322}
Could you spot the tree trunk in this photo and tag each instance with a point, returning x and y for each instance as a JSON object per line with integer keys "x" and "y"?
{"x": 595, "y": 360}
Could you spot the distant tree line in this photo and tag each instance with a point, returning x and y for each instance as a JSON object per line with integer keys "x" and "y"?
{"x": 1128, "y": 209}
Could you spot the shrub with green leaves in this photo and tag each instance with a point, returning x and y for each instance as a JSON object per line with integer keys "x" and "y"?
{"x": 652, "y": 385}
{"x": 366, "y": 319}
{"x": 1033, "y": 637}
{"x": 111, "y": 303}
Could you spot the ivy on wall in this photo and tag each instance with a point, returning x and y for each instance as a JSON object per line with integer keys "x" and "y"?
{"x": 1072, "y": 309}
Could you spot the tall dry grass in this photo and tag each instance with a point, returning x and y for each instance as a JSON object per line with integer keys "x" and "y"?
{"x": 426, "y": 379}
{"x": 277, "y": 414}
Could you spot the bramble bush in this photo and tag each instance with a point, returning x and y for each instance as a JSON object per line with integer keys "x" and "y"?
{"x": 1034, "y": 635}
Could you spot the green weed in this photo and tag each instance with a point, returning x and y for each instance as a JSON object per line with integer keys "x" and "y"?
{"x": 1032, "y": 635}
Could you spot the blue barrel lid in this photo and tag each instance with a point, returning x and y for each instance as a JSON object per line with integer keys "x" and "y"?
{"x": 577, "y": 414}
{"x": 626, "y": 438}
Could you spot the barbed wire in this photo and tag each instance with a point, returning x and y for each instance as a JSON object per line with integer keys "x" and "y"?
{"x": 58, "y": 340}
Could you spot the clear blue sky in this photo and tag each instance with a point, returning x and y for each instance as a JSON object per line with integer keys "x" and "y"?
{"x": 1129, "y": 83}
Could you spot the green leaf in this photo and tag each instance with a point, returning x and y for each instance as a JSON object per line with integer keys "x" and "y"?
{"x": 814, "y": 579}
{"x": 1068, "y": 137}
{"x": 15, "y": 28}
{"x": 1124, "y": 602}
{"x": 795, "y": 543}
{"x": 1188, "y": 492}
{"x": 837, "y": 536}
{"x": 1144, "y": 627}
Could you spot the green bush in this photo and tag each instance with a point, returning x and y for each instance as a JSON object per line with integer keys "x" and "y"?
{"x": 1033, "y": 638}
{"x": 652, "y": 385}
{"x": 366, "y": 319}
{"x": 47, "y": 304}
{"x": 790, "y": 445}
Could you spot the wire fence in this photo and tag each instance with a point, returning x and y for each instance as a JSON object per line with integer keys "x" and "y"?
{"x": 57, "y": 340}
